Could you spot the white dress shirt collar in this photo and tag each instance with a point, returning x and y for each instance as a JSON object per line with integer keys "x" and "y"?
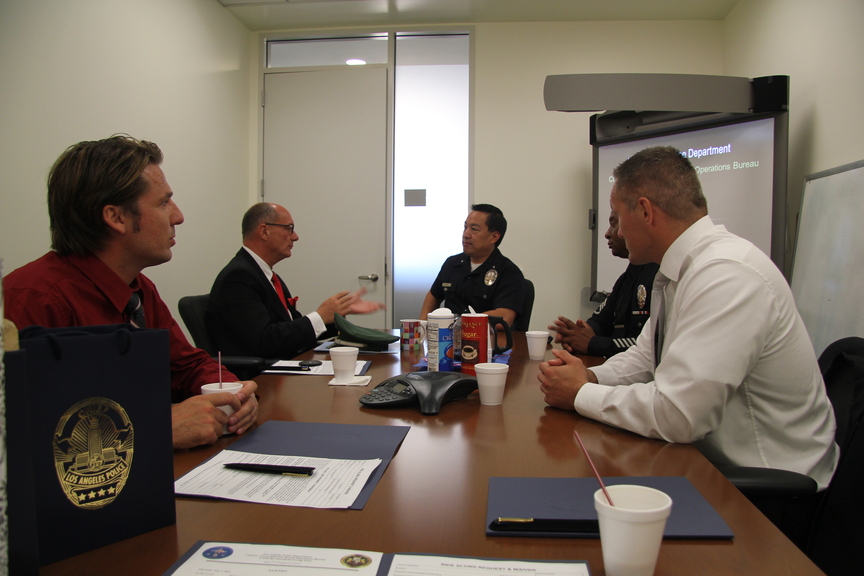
{"x": 265, "y": 268}
{"x": 673, "y": 259}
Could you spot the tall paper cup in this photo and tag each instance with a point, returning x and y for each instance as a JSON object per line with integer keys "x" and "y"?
{"x": 344, "y": 359}
{"x": 537, "y": 341}
{"x": 491, "y": 378}
{"x": 232, "y": 387}
{"x": 631, "y": 531}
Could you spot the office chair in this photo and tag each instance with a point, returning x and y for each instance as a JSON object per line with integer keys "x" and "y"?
{"x": 837, "y": 531}
{"x": 834, "y": 532}
{"x": 192, "y": 311}
{"x": 524, "y": 318}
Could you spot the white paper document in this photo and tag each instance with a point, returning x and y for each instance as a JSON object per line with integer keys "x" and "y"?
{"x": 410, "y": 565}
{"x": 239, "y": 559}
{"x": 236, "y": 559}
{"x": 324, "y": 369}
{"x": 333, "y": 484}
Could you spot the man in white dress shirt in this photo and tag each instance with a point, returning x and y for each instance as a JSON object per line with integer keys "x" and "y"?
{"x": 733, "y": 371}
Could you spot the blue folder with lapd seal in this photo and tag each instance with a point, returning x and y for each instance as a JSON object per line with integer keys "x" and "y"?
{"x": 564, "y": 507}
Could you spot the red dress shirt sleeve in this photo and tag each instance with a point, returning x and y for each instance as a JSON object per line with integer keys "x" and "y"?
{"x": 58, "y": 291}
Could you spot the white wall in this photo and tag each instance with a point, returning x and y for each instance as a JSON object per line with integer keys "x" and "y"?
{"x": 536, "y": 165}
{"x": 172, "y": 71}
{"x": 819, "y": 46}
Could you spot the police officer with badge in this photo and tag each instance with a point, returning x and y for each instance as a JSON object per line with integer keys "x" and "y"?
{"x": 618, "y": 321}
{"x": 480, "y": 277}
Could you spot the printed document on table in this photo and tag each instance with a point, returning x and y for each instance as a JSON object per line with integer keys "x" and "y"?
{"x": 236, "y": 559}
{"x": 333, "y": 484}
{"x": 411, "y": 565}
{"x": 241, "y": 559}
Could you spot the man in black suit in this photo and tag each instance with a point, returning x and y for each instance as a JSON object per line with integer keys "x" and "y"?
{"x": 251, "y": 311}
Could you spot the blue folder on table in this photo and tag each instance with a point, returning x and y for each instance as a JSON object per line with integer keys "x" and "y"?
{"x": 338, "y": 441}
{"x": 564, "y": 500}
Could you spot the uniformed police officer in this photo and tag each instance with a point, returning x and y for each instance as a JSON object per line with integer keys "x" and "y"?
{"x": 480, "y": 277}
{"x": 618, "y": 321}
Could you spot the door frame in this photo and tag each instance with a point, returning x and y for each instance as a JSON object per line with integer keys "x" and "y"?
{"x": 256, "y": 157}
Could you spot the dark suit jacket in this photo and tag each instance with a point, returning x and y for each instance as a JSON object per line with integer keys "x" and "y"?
{"x": 246, "y": 318}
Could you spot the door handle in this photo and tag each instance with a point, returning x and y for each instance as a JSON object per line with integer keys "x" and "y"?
{"x": 372, "y": 277}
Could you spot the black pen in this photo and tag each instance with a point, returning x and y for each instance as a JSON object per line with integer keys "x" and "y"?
{"x": 272, "y": 469}
{"x": 290, "y": 368}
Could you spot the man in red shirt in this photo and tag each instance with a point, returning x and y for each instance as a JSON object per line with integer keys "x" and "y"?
{"x": 112, "y": 215}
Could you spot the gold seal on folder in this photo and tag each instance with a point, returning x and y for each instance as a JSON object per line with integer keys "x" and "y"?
{"x": 93, "y": 446}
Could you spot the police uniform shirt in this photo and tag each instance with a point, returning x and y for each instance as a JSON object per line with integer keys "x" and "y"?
{"x": 620, "y": 318}
{"x": 496, "y": 283}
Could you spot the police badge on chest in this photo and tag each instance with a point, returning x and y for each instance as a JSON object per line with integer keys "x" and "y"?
{"x": 491, "y": 277}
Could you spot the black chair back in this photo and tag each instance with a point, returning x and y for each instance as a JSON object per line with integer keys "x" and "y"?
{"x": 192, "y": 311}
{"x": 524, "y": 318}
{"x": 837, "y": 532}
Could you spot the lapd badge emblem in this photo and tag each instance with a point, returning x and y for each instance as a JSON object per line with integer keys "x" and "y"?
{"x": 356, "y": 561}
{"x": 641, "y": 296}
{"x": 93, "y": 446}
{"x": 491, "y": 277}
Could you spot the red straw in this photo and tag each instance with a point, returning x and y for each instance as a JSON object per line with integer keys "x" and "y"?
{"x": 220, "y": 370}
{"x": 594, "y": 468}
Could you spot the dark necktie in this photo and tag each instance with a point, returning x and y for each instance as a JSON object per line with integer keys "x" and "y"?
{"x": 658, "y": 303}
{"x": 134, "y": 311}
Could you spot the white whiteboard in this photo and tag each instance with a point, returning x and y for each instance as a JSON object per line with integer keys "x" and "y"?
{"x": 828, "y": 267}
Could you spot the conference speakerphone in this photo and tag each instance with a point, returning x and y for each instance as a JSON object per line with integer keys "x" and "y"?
{"x": 429, "y": 390}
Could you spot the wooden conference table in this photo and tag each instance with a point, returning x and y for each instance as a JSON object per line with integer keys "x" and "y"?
{"x": 432, "y": 498}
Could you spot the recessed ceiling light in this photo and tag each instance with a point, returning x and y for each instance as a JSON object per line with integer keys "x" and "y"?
{"x": 355, "y": 62}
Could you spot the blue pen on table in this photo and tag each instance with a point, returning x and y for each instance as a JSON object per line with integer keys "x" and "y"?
{"x": 271, "y": 469}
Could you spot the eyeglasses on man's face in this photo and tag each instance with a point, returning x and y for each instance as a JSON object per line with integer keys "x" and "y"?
{"x": 288, "y": 227}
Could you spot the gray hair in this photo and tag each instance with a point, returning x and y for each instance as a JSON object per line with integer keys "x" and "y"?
{"x": 256, "y": 215}
{"x": 664, "y": 176}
